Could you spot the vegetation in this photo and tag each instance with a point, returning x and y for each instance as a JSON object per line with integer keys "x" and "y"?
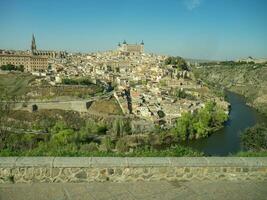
{"x": 70, "y": 150}
{"x": 247, "y": 79}
{"x": 67, "y": 133}
{"x": 16, "y": 84}
{"x": 251, "y": 154}
{"x": 68, "y": 81}
{"x": 181, "y": 94}
{"x": 62, "y": 140}
{"x": 28, "y": 86}
{"x": 177, "y": 62}
{"x": 201, "y": 123}
{"x": 254, "y": 139}
{"x": 10, "y": 67}
{"x": 254, "y": 142}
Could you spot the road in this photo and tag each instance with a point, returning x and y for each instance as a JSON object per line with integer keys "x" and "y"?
{"x": 161, "y": 190}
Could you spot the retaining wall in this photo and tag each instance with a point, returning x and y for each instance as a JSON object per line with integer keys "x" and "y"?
{"x": 116, "y": 169}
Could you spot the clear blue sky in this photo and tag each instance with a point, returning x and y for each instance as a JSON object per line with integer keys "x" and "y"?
{"x": 208, "y": 29}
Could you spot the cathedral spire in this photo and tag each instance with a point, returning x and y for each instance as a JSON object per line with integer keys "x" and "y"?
{"x": 33, "y": 46}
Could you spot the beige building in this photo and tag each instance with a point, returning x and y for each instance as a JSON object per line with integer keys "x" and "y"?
{"x": 30, "y": 62}
{"x": 131, "y": 49}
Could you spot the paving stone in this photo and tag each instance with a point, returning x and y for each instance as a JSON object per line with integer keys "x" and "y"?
{"x": 158, "y": 190}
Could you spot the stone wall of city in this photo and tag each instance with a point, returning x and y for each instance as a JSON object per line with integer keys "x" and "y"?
{"x": 117, "y": 169}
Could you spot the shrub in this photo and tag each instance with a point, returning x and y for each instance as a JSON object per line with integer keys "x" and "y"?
{"x": 63, "y": 137}
{"x": 121, "y": 145}
{"x": 173, "y": 151}
{"x": 106, "y": 145}
{"x": 83, "y": 81}
{"x": 255, "y": 138}
{"x": 10, "y": 67}
{"x": 121, "y": 127}
{"x": 91, "y": 147}
{"x": 92, "y": 128}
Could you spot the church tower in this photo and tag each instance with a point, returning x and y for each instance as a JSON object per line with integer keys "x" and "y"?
{"x": 142, "y": 46}
{"x": 33, "y": 46}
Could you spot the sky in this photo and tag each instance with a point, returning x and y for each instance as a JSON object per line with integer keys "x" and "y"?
{"x": 200, "y": 29}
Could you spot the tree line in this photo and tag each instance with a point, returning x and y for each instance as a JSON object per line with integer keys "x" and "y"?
{"x": 10, "y": 67}
{"x": 200, "y": 124}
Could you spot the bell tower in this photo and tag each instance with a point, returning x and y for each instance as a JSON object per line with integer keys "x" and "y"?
{"x": 33, "y": 46}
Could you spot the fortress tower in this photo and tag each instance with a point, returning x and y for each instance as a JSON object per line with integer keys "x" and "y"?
{"x": 131, "y": 49}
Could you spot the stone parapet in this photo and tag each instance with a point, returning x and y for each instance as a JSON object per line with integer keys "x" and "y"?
{"x": 120, "y": 169}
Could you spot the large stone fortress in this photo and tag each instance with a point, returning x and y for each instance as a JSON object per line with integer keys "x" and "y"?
{"x": 50, "y": 54}
{"x": 131, "y": 49}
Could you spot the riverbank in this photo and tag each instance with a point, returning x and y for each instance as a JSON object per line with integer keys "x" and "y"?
{"x": 227, "y": 141}
{"x": 248, "y": 80}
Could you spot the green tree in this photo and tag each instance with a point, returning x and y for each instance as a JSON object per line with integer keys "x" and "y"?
{"x": 200, "y": 123}
{"x": 200, "y": 129}
{"x": 177, "y": 62}
{"x": 219, "y": 116}
{"x": 59, "y": 126}
{"x": 255, "y": 138}
{"x": 183, "y": 126}
{"x": 63, "y": 137}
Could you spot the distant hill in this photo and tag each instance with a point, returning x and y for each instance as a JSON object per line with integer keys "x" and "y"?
{"x": 249, "y": 80}
{"x": 192, "y": 60}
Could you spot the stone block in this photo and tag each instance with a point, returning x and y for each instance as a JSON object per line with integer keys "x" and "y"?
{"x": 264, "y": 161}
{"x": 81, "y": 175}
{"x": 72, "y": 162}
{"x": 254, "y": 161}
{"x": 7, "y": 161}
{"x": 225, "y": 161}
{"x": 34, "y": 162}
{"x": 109, "y": 162}
{"x": 148, "y": 162}
{"x": 188, "y": 162}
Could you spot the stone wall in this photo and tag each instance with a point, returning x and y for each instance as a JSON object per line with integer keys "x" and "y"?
{"x": 116, "y": 169}
{"x": 79, "y": 106}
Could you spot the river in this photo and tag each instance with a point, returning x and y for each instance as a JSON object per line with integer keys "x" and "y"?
{"x": 227, "y": 140}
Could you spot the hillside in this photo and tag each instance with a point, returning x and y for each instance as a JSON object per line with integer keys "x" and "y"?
{"x": 249, "y": 80}
{"x": 15, "y": 83}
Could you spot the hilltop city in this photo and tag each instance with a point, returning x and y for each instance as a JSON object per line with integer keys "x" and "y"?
{"x": 144, "y": 85}
{"x": 121, "y": 100}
